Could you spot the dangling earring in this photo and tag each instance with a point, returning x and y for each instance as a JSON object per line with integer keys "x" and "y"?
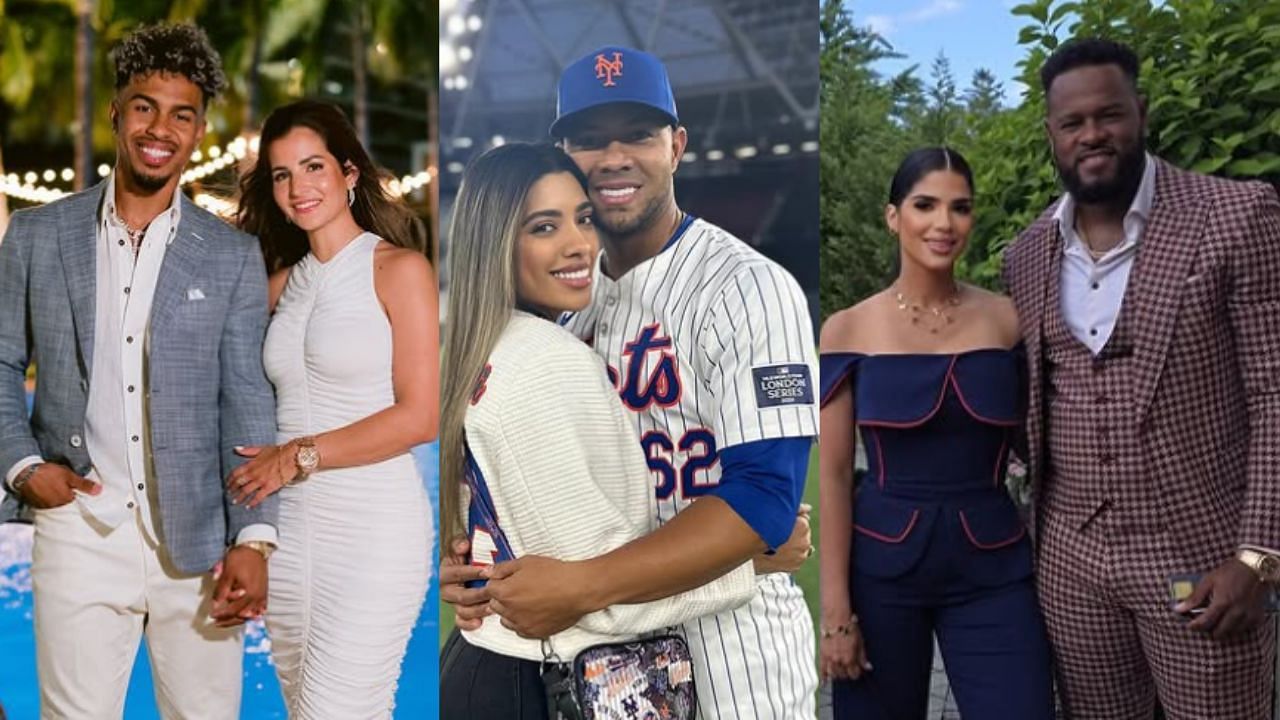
{"x": 351, "y": 197}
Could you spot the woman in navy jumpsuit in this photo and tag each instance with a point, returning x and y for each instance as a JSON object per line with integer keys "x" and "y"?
{"x": 928, "y": 372}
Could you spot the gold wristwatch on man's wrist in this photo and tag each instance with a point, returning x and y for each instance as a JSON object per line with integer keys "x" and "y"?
{"x": 1264, "y": 565}
{"x": 262, "y": 546}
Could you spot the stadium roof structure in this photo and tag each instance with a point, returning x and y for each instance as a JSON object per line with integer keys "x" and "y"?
{"x": 744, "y": 72}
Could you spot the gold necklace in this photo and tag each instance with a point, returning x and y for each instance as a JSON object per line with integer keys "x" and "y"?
{"x": 1095, "y": 255}
{"x": 935, "y": 317}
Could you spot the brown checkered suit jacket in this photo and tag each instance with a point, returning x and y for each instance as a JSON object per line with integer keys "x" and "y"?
{"x": 1205, "y": 324}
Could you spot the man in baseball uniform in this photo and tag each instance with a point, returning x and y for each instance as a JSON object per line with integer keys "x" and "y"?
{"x": 711, "y": 347}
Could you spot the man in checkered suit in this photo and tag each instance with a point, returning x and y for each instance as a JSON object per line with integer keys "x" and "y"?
{"x": 1150, "y": 305}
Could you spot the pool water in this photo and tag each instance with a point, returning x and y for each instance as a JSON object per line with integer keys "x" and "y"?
{"x": 417, "y": 698}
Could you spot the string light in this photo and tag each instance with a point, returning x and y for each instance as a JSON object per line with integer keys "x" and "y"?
{"x": 219, "y": 158}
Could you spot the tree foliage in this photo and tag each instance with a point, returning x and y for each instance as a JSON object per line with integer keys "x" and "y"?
{"x": 861, "y": 137}
{"x": 1210, "y": 73}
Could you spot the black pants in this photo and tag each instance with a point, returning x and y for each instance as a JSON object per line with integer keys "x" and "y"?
{"x": 476, "y": 684}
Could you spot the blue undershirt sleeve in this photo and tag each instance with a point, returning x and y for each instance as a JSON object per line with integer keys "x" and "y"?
{"x": 763, "y": 482}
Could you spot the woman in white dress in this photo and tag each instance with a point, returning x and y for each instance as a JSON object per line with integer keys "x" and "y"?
{"x": 352, "y": 349}
{"x": 538, "y": 455}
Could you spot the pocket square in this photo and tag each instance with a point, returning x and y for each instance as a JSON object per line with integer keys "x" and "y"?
{"x": 195, "y": 294}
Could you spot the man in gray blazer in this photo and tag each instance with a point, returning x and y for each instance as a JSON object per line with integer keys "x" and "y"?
{"x": 145, "y": 317}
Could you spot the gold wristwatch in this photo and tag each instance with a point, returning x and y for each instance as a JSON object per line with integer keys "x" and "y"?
{"x": 1266, "y": 566}
{"x": 262, "y": 546}
{"x": 307, "y": 458}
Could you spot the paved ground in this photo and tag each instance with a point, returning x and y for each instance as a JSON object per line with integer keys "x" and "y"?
{"x": 941, "y": 705}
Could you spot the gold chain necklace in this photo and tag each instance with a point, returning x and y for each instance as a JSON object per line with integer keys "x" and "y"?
{"x": 1095, "y": 255}
{"x": 935, "y": 317}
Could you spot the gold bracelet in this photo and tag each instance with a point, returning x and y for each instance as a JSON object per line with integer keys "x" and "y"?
{"x": 846, "y": 629}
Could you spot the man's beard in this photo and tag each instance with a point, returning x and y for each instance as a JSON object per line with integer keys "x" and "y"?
{"x": 624, "y": 228}
{"x": 1119, "y": 190}
{"x": 145, "y": 181}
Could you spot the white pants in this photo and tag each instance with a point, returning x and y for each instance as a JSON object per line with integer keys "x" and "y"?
{"x": 96, "y": 593}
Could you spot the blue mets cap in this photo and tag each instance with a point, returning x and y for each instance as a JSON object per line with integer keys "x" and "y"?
{"x": 613, "y": 74}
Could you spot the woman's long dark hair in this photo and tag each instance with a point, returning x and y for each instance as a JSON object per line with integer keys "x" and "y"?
{"x": 483, "y": 237}
{"x": 374, "y": 209}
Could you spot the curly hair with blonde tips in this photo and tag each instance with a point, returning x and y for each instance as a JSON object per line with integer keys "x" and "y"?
{"x": 178, "y": 49}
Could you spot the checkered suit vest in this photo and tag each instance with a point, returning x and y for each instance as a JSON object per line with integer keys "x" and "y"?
{"x": 1095, "y": 458}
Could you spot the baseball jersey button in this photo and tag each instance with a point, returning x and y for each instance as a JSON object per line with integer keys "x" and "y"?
{"x": 611, "y": 300}
{"x": 604, "y": 327}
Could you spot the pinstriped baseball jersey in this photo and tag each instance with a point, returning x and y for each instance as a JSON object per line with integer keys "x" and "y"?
{"x": 710, "y": 345}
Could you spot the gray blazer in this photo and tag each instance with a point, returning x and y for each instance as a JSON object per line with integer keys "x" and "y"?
{"x": 207, "y": 389}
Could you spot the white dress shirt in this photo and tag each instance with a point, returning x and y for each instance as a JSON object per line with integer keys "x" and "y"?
{"x": 1092, "y": 291}
{"x": 117, "y": 429}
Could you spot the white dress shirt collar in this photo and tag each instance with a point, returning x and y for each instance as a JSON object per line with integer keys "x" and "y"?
{"x": 110, "y": 216}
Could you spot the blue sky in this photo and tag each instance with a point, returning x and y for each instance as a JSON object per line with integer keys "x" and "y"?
{"x": 972, "y": 34}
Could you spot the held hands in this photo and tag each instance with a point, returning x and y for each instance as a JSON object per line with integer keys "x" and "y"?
{"x": 789, "y": 557}
{"x": 1236, "y": 601}
{"x": 53, "y": 485}
{"x": 536, "y": 596}
{"x": 470, "y": 605}
{"x": 240, "y": 587}
{"x": 842, "y": 655}
{"x": 268, "y": 469}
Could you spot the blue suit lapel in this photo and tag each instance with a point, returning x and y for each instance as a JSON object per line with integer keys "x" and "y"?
{"x": 77, "y": 238}
{"x": 182, "y": 261}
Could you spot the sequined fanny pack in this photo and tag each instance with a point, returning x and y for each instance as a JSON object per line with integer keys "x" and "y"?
{"x": 647, "y": 678}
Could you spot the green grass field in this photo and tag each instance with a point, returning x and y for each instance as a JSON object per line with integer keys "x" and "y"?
{"x": 807, "y": 577}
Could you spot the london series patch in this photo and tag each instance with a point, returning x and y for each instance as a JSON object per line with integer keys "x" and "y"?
{"x": 782, "y": 385}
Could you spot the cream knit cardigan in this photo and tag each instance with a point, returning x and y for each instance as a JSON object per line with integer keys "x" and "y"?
{"x": 568, "y": 480}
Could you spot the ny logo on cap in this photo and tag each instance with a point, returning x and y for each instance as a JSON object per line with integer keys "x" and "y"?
{"x": 606, "y": 69}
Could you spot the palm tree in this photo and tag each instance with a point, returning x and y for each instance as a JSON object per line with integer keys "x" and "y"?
{"x": 85, "y": 35}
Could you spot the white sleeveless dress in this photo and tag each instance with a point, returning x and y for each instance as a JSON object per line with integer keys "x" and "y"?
{"x": 351, "y": 573}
